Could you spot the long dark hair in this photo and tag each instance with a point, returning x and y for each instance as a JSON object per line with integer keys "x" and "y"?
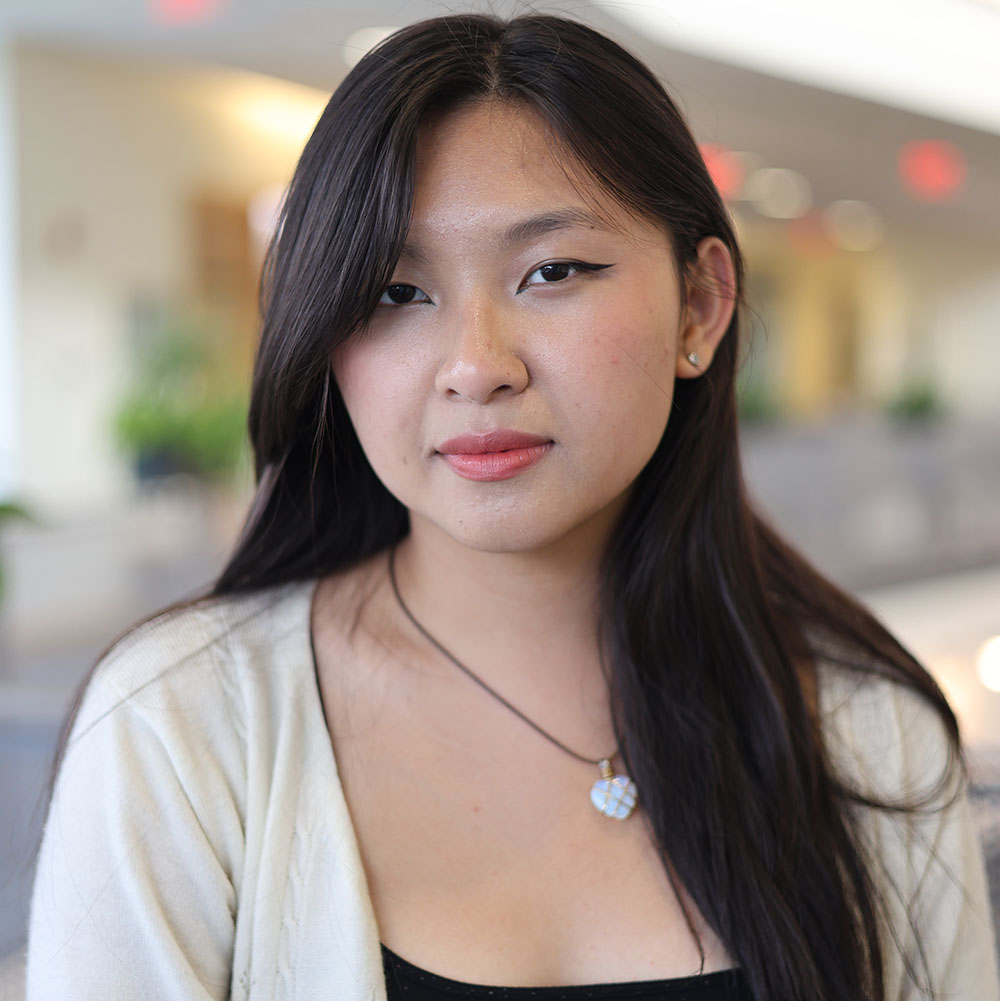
{"x": 710, "y": 624}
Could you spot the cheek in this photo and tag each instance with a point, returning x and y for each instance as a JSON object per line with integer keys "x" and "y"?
{"x": 369, "y": 392}
{"x": 630, "y": 383}
{"x": 630, "y": 363}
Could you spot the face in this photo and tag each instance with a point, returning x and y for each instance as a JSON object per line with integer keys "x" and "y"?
{"x": 518, "y": 373}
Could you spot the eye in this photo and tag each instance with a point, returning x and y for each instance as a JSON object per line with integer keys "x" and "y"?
{"x": 399, "y": 294}
{"x": 554, "y": 272}
{"x": 557, "y": 271}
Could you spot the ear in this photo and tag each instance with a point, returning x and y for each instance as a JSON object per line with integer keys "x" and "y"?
{"x": 711, "y": 299}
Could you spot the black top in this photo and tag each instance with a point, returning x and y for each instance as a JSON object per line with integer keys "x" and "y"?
{"x": 406, "y": 982}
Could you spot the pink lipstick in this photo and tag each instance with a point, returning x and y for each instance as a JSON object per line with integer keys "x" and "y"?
{"x": 493, "y": 455}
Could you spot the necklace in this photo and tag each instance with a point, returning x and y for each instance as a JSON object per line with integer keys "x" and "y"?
{"x": 612, "y": 795}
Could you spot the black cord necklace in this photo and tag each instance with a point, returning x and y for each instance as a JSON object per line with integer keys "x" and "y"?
{"x": 612, "y": 795}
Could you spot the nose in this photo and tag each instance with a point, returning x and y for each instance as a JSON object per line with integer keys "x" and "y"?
{"x": 483, "y": 359}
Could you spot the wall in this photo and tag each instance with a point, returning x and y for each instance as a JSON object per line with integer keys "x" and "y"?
{"x": 112, "y": 156}
{"x": 840, "y": 330}
{"x": 9, "y": 408}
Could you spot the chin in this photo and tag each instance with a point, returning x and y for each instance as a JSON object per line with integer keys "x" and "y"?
{"x": 502, "y": 538}
{"x": 522, "y": 523}
{"x": 525, "y": 531}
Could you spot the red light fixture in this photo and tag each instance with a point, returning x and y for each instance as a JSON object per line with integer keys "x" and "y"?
{"x": 178, "y": 12}
{"x": 725, "y": 169}
{"x": 931, "y": 170}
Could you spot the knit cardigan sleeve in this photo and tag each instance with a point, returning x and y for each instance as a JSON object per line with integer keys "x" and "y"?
{"x": 198, "y": 844}
{"x": 139, "y": 867}
{"x": 938, "y": 939}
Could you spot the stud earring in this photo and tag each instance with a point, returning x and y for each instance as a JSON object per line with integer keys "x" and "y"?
{"x": 692, "y": 356}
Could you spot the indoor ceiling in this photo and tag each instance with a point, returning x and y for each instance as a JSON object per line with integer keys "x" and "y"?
{"x": 846, "y": 146}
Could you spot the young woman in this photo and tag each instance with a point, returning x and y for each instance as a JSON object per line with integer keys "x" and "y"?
{"x": 506, "y": 690}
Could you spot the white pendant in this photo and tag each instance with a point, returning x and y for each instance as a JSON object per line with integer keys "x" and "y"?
{"x": 614, "y": 796}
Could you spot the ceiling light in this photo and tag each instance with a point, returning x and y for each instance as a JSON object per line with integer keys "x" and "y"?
{"x": 853, "y": 225}
{"x": 176, "y": 12}
{"x": 282, "y": 114}
{"x": 988, "y": 664}
{"x": 932, "y": 170}
{"x": 725, "y": 169}
{"x": 778, "y": 193}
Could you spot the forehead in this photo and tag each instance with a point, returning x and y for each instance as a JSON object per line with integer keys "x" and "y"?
{"x": 506, "y": 135}
{"x": 491, "y": 162}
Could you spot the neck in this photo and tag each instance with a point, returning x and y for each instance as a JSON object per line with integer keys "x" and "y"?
{"x": 534, "y": 594}
{"x": 526, "y": 623}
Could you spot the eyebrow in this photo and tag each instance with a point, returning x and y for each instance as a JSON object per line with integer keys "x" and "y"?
{"x": 532, "y": 228}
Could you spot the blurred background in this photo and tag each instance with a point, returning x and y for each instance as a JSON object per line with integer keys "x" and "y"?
{"x": 144, "y": 150}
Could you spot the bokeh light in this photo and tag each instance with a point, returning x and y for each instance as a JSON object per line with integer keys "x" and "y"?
{"x": 778, "y": 192}
{"x": 725, "y": 168}
{"x": 853, "y": 225}
{"x": 988, "y": 664}
{"x": 931, "y": 170}
{"x": 176, "y": 12}
{"x": 287, "y": 114}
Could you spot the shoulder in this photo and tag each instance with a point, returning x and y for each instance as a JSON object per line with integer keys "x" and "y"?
{"x": 885, "y": 739}
{"x": 221, "y": 645}
{"x": 210, "y": 629}
{"x": 197, "y": 825}
{"x": 905, "y": 781}
{"x": 203, "y": 697}
{"x": 195, "y": 717}
{"x": 162, "y": 796}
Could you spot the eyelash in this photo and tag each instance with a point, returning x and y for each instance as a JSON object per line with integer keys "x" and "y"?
{"x": 580, "y": 266}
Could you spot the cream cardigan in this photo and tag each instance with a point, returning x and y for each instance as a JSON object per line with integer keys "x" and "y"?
{"x": 199, "y": 845}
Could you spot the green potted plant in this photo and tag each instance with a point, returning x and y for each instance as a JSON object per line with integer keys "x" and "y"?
{"x": 185, "y": 412}
{"x": 9, "y": 510}
{"x": 917, "y": 402}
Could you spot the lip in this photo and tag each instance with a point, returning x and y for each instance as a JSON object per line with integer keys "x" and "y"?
{"x": 493, "y": 455}
{"x": 490, "y": 441}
